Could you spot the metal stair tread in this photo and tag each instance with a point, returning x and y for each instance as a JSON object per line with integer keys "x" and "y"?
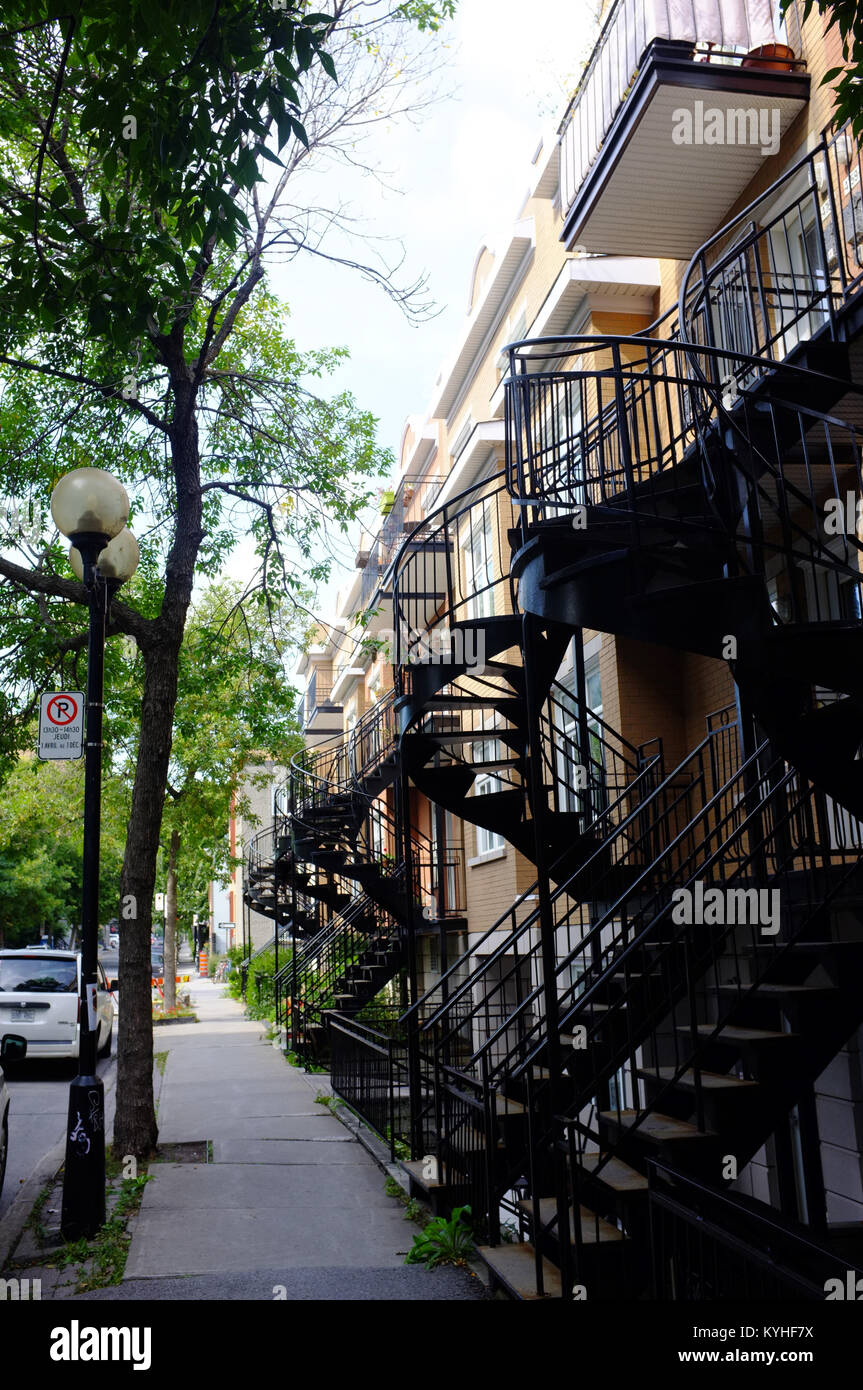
{"x": 735, "y": 1033}
{"x": 594, "y": 1229}
{"x": 710, "y": 1080}
{"x": 414, "y": 1167}
{"x": 614, "y": 1173}
{"x": 769, "y": 987}
{"x": 655, "y": 1127}
{"x": 514, "y": 1266}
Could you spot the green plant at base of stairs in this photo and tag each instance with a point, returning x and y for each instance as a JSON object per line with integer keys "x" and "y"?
{"x": 445, "y": 1240}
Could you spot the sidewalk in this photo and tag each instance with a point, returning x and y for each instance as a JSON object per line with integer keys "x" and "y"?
{"x": 291, "y": 1205}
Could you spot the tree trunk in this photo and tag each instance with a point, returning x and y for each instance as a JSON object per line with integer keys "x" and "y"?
{"x": 171, "y": 923}
{"x": 135, "y": 1129}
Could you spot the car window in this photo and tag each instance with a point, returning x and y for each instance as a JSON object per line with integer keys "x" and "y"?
{"x": 38, "y": 976}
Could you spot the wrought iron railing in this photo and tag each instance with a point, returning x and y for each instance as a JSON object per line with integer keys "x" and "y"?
{"x": 708, "y": 1246}
{"x": 630, "y": 29}
{"x": 778, "y": 274}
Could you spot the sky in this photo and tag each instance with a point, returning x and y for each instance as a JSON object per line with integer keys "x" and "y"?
{"x": 461, "y": 178}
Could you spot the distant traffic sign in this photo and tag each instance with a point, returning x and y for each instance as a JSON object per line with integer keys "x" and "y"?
{"x": 61, "y": 724}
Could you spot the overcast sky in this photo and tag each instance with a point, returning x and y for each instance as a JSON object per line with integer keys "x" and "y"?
{"x": 462, "y": 177}
{"x": 459, "y": 179}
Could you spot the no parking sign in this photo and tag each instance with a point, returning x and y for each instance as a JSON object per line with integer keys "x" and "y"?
{"x": 61, "y": 724}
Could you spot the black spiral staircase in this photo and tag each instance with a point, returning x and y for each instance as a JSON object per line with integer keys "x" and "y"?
{"x": 597, "y": 1069}
{"x": 669, "y": 488}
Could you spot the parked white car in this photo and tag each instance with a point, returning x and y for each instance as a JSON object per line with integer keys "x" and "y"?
{"x": 39, "y": 993}
{"x": 11, "y": 1049}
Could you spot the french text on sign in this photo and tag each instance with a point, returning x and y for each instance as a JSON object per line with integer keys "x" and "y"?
{"x": 61, "y": 724}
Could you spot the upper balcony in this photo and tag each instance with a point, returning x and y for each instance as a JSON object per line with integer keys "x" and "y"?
{"x": 402, "y": 509}
{"x": 676, "y": 99}
{"x": 321, "y": 716}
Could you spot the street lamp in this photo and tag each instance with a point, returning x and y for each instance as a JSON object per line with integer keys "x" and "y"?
{"x": 91, "y": 507}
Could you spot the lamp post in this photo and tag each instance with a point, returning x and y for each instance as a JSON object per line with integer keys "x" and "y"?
{"x": 91, "y": 507}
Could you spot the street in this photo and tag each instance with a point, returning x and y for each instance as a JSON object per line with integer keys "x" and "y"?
{"x": 39, "y": 1098}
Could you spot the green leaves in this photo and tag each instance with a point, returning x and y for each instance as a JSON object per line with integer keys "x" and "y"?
{"x": 443, "y": 1241}
{"x": 204, "y": 92}
{"x": 847, "y": 81}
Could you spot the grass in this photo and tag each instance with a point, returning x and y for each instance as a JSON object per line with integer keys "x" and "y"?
{"x": 34, "y": 1220}
{"x": 178, "y": 1011}
{"x": 161, "y": 1060}
{"x": 106, "y": 1253}
{"x": 414, "y": 1210}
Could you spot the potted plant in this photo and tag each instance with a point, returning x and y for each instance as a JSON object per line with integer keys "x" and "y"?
{"x": 775, "y": 57}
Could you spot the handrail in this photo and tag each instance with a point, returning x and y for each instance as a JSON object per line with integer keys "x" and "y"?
{"x": 566, "y": 890}
{"x": 518, "y": 930}
{"x": 692, "y": 298}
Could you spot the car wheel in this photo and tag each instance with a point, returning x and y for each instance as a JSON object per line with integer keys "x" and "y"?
{"x": 4, "y": 1148}
{"x": 105, "y": 1049}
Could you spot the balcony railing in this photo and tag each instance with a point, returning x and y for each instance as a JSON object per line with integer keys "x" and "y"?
{"x": 318, "y": 693}
{"x": 413, "y": 500}
{"x": 709, "y": 1245}
{"x": 731, "y": 31}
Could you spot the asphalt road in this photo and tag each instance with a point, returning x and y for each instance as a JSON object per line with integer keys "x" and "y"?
{"x": 39, "y": 1099}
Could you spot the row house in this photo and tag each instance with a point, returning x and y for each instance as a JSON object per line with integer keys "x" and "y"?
{"x": 571, "y": 864}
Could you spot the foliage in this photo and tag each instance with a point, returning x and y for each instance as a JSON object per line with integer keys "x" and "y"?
{"x": 444, "y": 1240}
{"x": 163, "y": 152}
{"x": 147, "y": 186}
{"x": 847, "y": 81}
{"x": 106, "y": 1253}
{"x": 41, "y": 816}
{"x": 263, "y": 969}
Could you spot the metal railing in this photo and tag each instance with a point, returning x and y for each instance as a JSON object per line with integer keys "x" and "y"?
{"x": 318, "y": 692}
{"x": 778, "y": 274}
{"x": 709, "y": 1246}
{"x": 629, "y": 31}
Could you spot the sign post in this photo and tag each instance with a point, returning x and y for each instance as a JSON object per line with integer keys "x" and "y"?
{"x": 61, "y": 725}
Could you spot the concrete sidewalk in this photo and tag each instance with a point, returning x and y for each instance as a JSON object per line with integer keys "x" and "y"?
{"x": 290, "y": 1197}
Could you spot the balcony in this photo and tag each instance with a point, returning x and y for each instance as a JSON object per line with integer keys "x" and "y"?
{"x": 413, "y": 499}
{"x": 673, "y": 99}
{"x": 321, "y": 718}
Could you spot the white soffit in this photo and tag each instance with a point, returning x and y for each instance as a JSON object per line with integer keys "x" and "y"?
{"x": 494, "y": 295}
{"x": 480, "y": 446}
{"x": 669, "y": 198}
{"x": 623, "y": 278}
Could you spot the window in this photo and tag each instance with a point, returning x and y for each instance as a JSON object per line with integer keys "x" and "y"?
{"x": 569, "y": 757}
{"x": 560, "y": 441}
{"x": 486, "y": 783}
{"x": 516, "y": 330}
{"x": 479, "y": 564}
{"x": 48, "y": 976}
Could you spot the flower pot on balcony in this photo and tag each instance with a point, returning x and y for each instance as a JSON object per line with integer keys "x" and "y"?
{"x": 773, "y": 57}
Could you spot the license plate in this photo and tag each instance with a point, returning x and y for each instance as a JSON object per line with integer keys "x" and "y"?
{"x": 22, "y": 1015}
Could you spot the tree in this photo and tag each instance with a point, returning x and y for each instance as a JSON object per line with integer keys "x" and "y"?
{"x": 847, "y": 81}
{"x": 136, "y": 331}
{"x": 234, "y": 714}
{"x": 41, "y": 848}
